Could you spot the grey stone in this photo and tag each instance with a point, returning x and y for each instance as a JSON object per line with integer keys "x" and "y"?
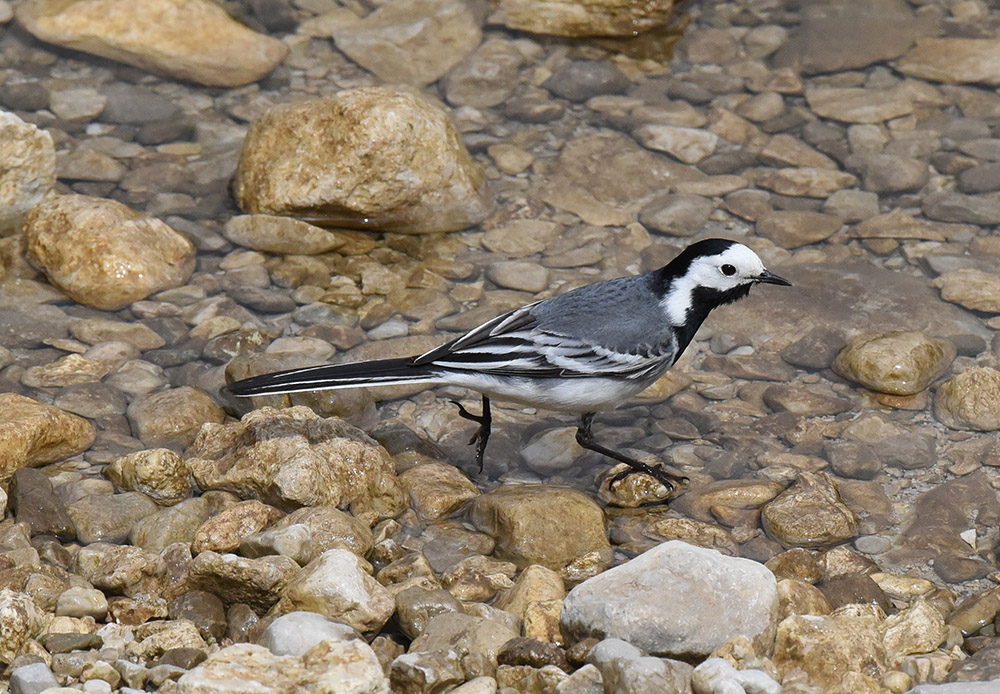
{"x": 956, "y": 207}
{"x": 32, "y": 679}
{"x": 627, "y": 670}
{"x": 991, "y": 687}
{"x": 583, "y": 79}
{"x": 296, "y": 632}
{"x": 130, "y": 104}
{"x": 676, "y": 215}
{"x": 33, "y": 502}
{"x": 980, "y": 179}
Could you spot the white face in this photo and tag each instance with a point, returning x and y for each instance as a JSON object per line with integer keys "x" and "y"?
{"x": 735, "y": 266}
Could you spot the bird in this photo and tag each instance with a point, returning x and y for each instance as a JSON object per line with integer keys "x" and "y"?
{"x": 584, "y": 351}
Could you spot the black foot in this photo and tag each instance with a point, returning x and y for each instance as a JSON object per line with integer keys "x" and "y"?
{"x": 586, "y": 440}
{"x": 482, "y": 434}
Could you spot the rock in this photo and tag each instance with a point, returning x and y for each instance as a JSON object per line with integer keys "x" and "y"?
{"x": 375, "y": 158}
{"x": 833, "y": 647}
{"x": 953, "y": 60}
{"x": 810, "y": 513}
{"x": 177, "y": 523}
{"x": 159, "y": 473}
{"x": 624, "y": 668}
{"x": 689, "y": 145}
{"x": 256, "y": 582}
{"x": 580, "y": 80}
{"x": 970, "y": 400}
{"x": 109, "y": 517}
{"x": 804, "y": 181}
{"x": 32, "y": 678}
{"x": 971, "y": 288}
{"x": 205, "y": 610}
{"x": 173, "y": 417}
{"x": 857, "y": 105}
{"x": 782, "y": 398}
{"x": 226, "y": 530}
{"x": 28, "y": 163}
{"x": 536, "y": 597}
{"x": 425, "y": 672}
{"x": 336, "y": 585}
{"x": 329, "y": 528}
{"x": 186, "y": 39}
{"x": 980, "y": 179}
{"x": 297, "y": 632}
{"x": 293, "y": 457}
{"x": 402, "y": 43}
{"x": 899, "y": 362}
{"x": 533, "y": 653}
{"x": 677, "y": 215}
{"x": 955, "y": 207}
{"x": 293, "y": 541}
{"x": 889, "y": 173}
{"x": 120, "y": 569}
{"x": 33, "y": 434}
{"x": 791, "y": 229}
{"x": 486, "y": 78}
{"x": 31, "y": 327}
{"x": 520, "y": 275}
{"x": 552, "y": 450}
{"x": 33, "y": 502}
{"x": 566, "y": 18}
{"x": 920, "y": 628}
{"x": 437, "y": 489}
{"x": 786, "y": 150}
{"x": 272, "y": 234}
{"x": 844, "y": 36}
{"x": 724, "y": 597}
{"x": 716, "y": 674}
{"x": 20, "y": 620}
{"x": 78, "y": 601}
{"x": 475, "y": 640}
{"x": 415, "y": 607}
{"x": 104, "y": 254}
{"x": 522, "y": 520}
{"x": 348, "y": 666}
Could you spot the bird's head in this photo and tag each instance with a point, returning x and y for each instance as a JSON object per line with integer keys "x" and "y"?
{"x": 708, "y": 274}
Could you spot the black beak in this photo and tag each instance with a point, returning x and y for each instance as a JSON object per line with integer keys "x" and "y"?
{"x": 768, "y": 277}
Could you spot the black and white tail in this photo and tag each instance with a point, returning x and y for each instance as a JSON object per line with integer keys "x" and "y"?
{"x": 379, "y": 372}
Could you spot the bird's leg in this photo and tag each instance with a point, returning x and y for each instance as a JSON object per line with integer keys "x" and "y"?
{"x": 482, "y": 434}
{"x": 585, "y": 438}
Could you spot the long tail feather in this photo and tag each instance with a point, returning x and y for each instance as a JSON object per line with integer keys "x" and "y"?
{"x": 379, "y": 372}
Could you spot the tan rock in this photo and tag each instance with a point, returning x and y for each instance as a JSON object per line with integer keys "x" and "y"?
{"x": 475, "y": 640}
{"x": 787, "y": 150}
{"x": 953, "y": 60}
{"x": 368, "y": 158}
{"x": 35, "y": 434}
{"x": 858, "y": 105}
{"x": 810, "y": 513}
{"x": 28, "y": 166}
{"x": 536, "y": 597}
{"x": 898, "y": 362}
{"x": 437, "y": 489}
{"x": 272, "y": 234}
{"x": 20, "y": 620}
{"x": 527, "y": 522}
{"x": 153, "y": 639}
{"x": 257, "y": 582}
{"x": 158, "y": 473}
{"x": 571, "y": 18}
{"x": 329, "y": 666}
{"x": 172, "y": 417}
{"x": 971, "y": 288}
{"x": 176, "y": 523}
{"x": 804, "y": 181}
{"x": 292, "y": 457}
{"x": 920, "y": 628}
{"x": 799, "y": 597}
{"x": 336, "y": 585}
{"x": 330, "y": 528}
{"x": 794, "y": 228}
{"x": 830, "y": 647}
{"x": 403, "y": 42}
{"x": 187, "y": 39}
{"x": 970, "y": 400}
{"x": 689, "y": 145}
{"x": 119, "y": 569}
{"x": 104, "y": 254}
{"x": 900, "y": 225}
{"x": 224, "y": 531}
{"x": 71, "y": 370}
{"x": 737, "y": 494}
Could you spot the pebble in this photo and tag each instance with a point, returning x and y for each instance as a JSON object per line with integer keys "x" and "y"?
{"x": 296, "y": 633}
{"x": 971, "y": 288}
{"x": 899, "y": 363}
{"x": 969, "y": 400}
{"x": 809, "y": 514}
{"x": 32, "y": 433}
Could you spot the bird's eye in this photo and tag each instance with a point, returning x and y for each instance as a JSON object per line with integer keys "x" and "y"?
{"x": 728, "y": 270}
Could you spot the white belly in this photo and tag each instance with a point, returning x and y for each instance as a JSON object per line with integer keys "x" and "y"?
{"x": 564, "y": 394}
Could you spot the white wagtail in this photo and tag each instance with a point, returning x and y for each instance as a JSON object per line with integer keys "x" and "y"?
{"x": 583, "y": 351}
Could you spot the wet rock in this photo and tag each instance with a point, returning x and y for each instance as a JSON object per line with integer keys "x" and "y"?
{"x": 109, "y": 517}
{"x": 900, "y": 362}
{"x": 159, "y": 473}
{"x": 437, "y": 489}
{"x": 78, "y": 601}
{"x": 20, "y": 620}
{"x": 536, "y": 597}
{"x": 801, "y": 401}
{"x": 971, "y": 288}
{"x": 293, "y": 457}
{"x": 580, "y": 80}
{"x": 889, "y": 173}
{"x": 475, "y": 640}
{"x": 521, "y": 519}
{"x": 853, "y": 459}
{"x": 857, "y": 105}
{"x": 624, "y": 668}
{"x": 177, "y": 523}
{"x": 931, "y": 532}
{"x": 955, "y": 207}
{"x": 726, "y": 494}
{"x": 425, "y": 671}
{"x": 205, "y": 610}
{"x": 28, "y": 162}
{"x": 803, "y": 181}
{"x": 329, "y": 528}
{"x": 173, "y": 417}
{"x": 33, "y": 434}
{"x": 563, "y": 18}
{"x": 272, "y": 234}
{"x": 104, "y": 254}
{"x": 256, "y": 582}
{"x": 970, "y": 400}
{"x": 402, "y": 43}
{"x": 833, "y": 647}
{"x": 799, "y": 597}
{"x": 689, "y": 145}
{"x": 415, "y": 607}
{"x": 791, "y": 229}
{"x": 677, "y": 215}
{"x": 953, "y": 60}
{"x": 194, "y": 41}
{"x": 33, "y": 502}
{"x": 225, "y": 531}
{"x": 719, "y": 604}
{"x": 810, "y": 513}
{"x": 853, "y": 588}
{"x": 21, "y": 327}
{"x": 486, "y": 78}
{"x": 418, "y": 178}
{"x": 336, "y": 585}
{"x": 297, "y": 632}
{"x": 967, "y": 676}
{"x": 533, "y": 653}
{"x": 344, "y": 665}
